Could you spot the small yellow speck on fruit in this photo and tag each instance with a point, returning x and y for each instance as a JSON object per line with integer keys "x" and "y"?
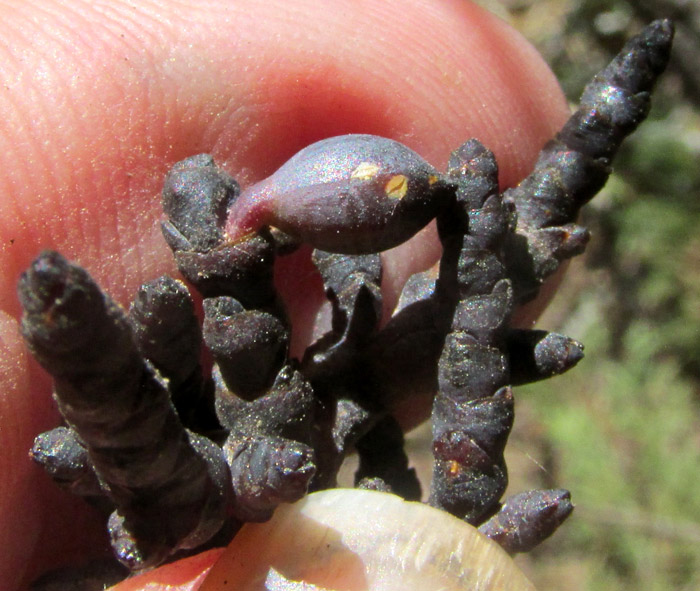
{"x": 432, "y": 179}
{"x": 397, "y": 186}
{"x": 454, "y": 468}
{"x": 365, "y": 171}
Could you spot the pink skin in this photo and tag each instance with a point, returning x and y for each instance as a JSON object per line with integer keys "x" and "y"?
{"x": 99, "y": 99}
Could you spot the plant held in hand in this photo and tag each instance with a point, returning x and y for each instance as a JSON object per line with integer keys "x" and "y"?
{"x": 179, "y": 459}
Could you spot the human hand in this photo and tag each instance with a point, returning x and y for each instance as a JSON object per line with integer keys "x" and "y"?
{"x": 99, "y": 99}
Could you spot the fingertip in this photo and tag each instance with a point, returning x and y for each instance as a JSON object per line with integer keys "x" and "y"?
{"x": 251, "y": 82}
{"x": 20, "y": 515}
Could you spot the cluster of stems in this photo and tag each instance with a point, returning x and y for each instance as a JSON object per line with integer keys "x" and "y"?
{"x": 179, "y": 459}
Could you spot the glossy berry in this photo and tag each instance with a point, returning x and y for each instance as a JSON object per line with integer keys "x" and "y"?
{"x": 350, "y": 194}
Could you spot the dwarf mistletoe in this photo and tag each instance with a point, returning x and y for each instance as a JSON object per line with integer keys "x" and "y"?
{"x": 178, "y": 459}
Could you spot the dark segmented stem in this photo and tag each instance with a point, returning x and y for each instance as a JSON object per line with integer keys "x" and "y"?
{"x": 469, "y": 471}
{"x": 269, "y": 447}
{"x": 473, "y": 412}
{"x": 166, "y": 329}
{"x": 167, "y": 493}
{"x": 575, "y": 165}
{"x": 65, "y": 458}
{"x": 267, "y": 471}
{"x": 196, "y": 197}
{"x": 168, "y": 334}
{"x": 537, "y": 355}
{"x": 287, "y": 409}
{"x": 249, "y": 346}
{"x": 527, "y": 519}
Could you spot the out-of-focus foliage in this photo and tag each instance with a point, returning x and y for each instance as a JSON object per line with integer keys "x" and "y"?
{"x": 622, "y": 430}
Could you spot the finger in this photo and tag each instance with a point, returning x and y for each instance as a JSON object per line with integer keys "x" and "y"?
{"x": 18, "y": 529}
{"x": 91, "y": 129}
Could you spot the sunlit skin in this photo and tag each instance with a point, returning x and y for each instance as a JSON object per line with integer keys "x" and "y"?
{"x": 99, "y": 100}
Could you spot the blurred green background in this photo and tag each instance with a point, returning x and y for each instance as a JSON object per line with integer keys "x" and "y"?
{"x": 622, "y": 430}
